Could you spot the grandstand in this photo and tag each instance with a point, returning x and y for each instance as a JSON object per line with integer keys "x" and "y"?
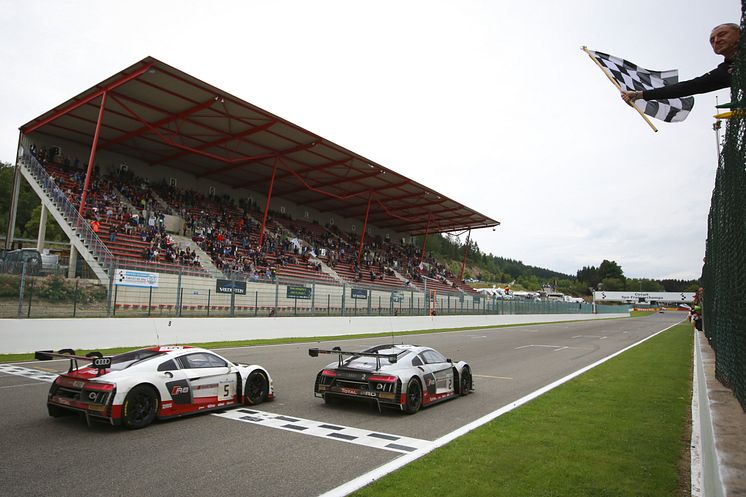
{"x": 155, "y": 170}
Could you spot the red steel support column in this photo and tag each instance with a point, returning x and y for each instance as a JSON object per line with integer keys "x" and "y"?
{"x": 87, "y": 182}
{"x": 266, "y": 208}
{"x": 424, "y": 242}
{"x": 365, "y": 227}
{"x": 463, "y": 263}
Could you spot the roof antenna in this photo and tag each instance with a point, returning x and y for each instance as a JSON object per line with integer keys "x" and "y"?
{"x": 157, "y": 337}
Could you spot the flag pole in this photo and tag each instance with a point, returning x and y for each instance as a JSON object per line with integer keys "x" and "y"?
{"x": 585, "y": 49}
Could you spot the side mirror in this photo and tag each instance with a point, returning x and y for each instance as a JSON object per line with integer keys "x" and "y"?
{"x": 449, "y": 360}
{"x": 313, "y": 352}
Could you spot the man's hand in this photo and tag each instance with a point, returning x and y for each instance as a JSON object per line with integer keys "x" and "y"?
{"x": 631, "y": 96}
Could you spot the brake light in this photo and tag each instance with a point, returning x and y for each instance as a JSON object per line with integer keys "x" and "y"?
{"x": 383, "y": 378}
{"x": 100, "y": 387}
{"x": 329, "y": 372}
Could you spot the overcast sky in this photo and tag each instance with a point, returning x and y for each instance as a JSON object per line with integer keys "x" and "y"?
{"x": 491, "y": 103}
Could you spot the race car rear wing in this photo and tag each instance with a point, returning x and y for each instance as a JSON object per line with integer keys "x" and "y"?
{"x": 96, "y": 359}
{"x": 392, "y": 358}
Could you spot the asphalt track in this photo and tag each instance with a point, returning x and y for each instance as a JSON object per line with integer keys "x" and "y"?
{"x": 214, "y": 454}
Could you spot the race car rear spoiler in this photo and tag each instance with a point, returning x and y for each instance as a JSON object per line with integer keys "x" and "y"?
{"x": 392, "y": 358}
{"x": 96, "y": 359}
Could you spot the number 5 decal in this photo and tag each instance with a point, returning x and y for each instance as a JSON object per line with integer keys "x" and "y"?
{"x": 224, "y": 391}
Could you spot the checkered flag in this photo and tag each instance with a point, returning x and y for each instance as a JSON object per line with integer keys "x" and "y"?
{"x": 632, "y": 77}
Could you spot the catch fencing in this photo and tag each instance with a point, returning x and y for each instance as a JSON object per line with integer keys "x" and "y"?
{"x": 33, "y": 294}
{"x": 724, "y": 273}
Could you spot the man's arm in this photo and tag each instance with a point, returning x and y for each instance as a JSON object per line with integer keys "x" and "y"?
{"x": 716, "y": 79}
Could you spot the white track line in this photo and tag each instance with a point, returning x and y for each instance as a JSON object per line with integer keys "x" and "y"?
{"x": 35, "y": 384}
{"x": 368, "y": 478}
{"x": 34, "y": 374}
{"x": 493, "y": 377}
{"x": 368, "y": 438}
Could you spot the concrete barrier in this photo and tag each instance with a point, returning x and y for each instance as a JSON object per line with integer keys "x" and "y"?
{"x": 28, "y": 335}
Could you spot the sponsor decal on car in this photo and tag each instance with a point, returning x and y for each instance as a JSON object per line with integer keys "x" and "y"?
{"x": 180, "y": 392}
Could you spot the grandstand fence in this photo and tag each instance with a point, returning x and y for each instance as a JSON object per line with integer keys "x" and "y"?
{"x": 724, "y": 272}
{"x": 25, "y": 293}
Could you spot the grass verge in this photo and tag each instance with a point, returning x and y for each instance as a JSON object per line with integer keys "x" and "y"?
{"x": 621, "y": 429}
{"x": 4, "y": 358}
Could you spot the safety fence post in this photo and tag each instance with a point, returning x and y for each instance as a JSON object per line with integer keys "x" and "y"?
{"x": 75, "y": 297}
{"x": 344, "y": 294}
{"x": 277, "y": 294}
{"x": 150, "y": 300}
{"x": 30, "y": 298}
{"x": 109, "y": 302}
{"x": 21, "y": 288}
{"x": 313, "y": 298}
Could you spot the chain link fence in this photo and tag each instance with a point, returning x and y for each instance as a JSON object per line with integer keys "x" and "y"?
{"x": 724, "y": 273}
{"x": 26, "y": 293}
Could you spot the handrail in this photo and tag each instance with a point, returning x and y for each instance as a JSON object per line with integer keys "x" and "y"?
{"x": 104, "y": 256}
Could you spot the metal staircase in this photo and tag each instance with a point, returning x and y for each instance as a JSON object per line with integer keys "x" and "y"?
{"x": 77, "y": 229}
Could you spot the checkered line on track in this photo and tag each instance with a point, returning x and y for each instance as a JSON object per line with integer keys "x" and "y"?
{"x": 357, "y": 436}
{"x": 34, "y": 374}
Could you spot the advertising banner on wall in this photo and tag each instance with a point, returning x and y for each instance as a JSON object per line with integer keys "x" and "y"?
{"x": 359, "y": 293}
{"x": 298, "y": 292}
{"x": 643, "y": 297}
{"x": 142, "y": 279}
{"x": 231, "y": 286}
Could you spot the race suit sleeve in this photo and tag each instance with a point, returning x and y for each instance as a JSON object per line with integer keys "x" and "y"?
{"x": 716, "y": 79}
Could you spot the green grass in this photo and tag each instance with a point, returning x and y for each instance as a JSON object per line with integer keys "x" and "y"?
{"x": 4, "y": 358}
{"x": 640, "y": 314}
{"x": 620, "y": 429}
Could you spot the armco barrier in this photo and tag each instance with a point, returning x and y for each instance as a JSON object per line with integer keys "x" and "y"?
{"x": 23, "y": 335}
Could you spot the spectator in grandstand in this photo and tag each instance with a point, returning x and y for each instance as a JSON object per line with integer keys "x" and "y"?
{"x": 724, "y": 41}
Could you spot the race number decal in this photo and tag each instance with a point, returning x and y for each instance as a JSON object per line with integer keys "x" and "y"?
{"x": 226, "y": 391}
{"x": 444, "y": 381}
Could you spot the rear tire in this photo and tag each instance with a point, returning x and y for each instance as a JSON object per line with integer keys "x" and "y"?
{"x": 257, "y": 388}
{"x": 414, "y": 397}
{"x": 140, "y": 407}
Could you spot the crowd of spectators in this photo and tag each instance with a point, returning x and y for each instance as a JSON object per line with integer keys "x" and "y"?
{"x": 229, "y": 233}
{"x": 105, "y": 204}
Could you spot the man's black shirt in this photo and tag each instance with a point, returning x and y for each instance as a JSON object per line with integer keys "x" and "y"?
{"x": 716, "y": 79}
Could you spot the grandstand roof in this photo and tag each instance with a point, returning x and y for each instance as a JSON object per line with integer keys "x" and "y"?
{"x": 163, "y": 116}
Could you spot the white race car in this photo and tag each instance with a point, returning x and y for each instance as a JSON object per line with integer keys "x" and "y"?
{"x": 135, "y": 388}
{"x": 405, "y": 377}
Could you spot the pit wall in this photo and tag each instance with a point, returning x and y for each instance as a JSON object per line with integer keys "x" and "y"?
{"x": 23, "y": 335}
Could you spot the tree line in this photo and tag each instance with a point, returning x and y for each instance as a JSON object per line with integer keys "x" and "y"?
{"x": 28, "y": 212}
{"x": 493, "y": 269}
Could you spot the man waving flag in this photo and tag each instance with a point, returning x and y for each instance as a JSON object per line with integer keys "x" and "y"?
{"x": 631, "y": 77}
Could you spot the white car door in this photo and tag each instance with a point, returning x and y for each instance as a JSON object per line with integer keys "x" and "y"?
{"x": 211, "y": 379}
{"x": 438, "y": 374}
